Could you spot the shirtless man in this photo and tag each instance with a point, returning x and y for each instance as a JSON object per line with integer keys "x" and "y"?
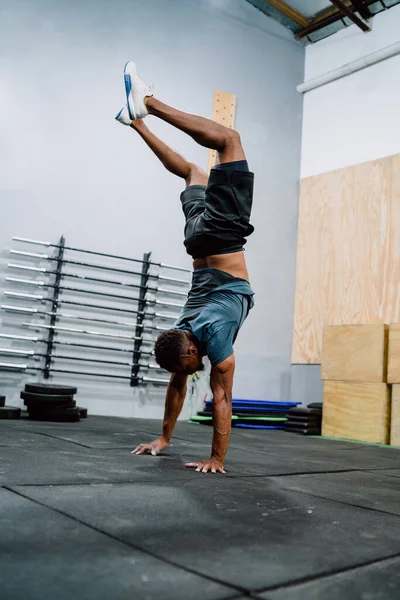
{"x": 217, "y": 210}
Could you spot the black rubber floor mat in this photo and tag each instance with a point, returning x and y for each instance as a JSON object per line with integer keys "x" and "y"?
{"x": 51, "y": 388}
{"x": 10, "y": 412}
{"x": 46, "y": 398}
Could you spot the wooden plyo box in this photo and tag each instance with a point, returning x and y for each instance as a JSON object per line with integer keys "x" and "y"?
{"x": 394, "y": 354}
{"x": 355, "y": 353}
{"x": 357, "y": 411}
{"x": 395, "y": 418}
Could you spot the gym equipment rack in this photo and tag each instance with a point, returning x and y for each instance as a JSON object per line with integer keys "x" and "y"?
{"x": 147, "y": 307}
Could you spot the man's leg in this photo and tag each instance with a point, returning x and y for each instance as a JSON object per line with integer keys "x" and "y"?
{"x": 172, "y": 161}
{"x": 204, "y": 131}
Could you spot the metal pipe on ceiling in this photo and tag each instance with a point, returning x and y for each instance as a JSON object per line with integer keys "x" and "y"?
{"x": 350, "y": 68}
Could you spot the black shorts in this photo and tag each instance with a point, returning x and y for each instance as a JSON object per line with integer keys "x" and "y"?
{"x": 218, "y": 215}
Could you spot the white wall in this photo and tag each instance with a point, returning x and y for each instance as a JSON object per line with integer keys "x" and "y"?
{"x": 354, "y": 119}
{"x": 68, "y": 167}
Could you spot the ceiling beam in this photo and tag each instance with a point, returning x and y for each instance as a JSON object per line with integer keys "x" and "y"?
{"x": 362, "y": 9}
{"x": 289, "y": 12}
{"x": 348, "y": 13}
{"x": 325, "y": 18}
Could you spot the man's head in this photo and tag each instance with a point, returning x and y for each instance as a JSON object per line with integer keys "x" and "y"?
{"x": 178, "y": 351}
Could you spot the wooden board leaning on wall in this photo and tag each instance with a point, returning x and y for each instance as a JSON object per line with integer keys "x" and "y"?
{"x": 348, "y": 253}
{"x": 224, "y": 108}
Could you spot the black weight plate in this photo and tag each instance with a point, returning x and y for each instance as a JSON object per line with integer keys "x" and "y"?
{"x": 32, "y": 397}
{"x": 315, "y": 405}
{"x": 10, "y": 412}
{"x": 49, "y": 405}
{"x": 2, "y": 401}
{"x": 82, "y": 412}
{"x": 45, "y": 409}
{"x": 51, "y": 388}
{"x": 66, "y": 418}
{"x": 69, "y": 415}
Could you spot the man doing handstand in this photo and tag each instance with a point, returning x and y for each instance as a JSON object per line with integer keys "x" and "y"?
{"x": 217, "y": 211}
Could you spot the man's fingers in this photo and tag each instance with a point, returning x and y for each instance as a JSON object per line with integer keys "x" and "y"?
{"x": 205, "y": 469}
{"x": 213, "y": 470}
{"x": 191, "y": 465}
{"x": 221, "y": 470}
{"x": 140, "y": 449}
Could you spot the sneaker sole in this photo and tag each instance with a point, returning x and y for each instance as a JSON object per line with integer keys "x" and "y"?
{"x": 129, "y": 73}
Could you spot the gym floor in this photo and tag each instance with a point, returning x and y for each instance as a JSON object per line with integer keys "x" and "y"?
{"x": 294, "y": 518}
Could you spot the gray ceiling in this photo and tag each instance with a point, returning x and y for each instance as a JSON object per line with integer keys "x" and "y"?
{"x": 319, "y": 17}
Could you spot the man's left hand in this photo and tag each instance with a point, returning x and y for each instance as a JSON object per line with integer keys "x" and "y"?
{"x": 211, "y": 464}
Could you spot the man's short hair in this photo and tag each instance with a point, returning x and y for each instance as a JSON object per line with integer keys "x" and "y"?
{"x": 169, "y": 347}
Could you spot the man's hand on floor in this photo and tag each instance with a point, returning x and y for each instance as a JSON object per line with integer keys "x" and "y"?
{"x": 153, "y": 448}
{"x": 211, "y": 464}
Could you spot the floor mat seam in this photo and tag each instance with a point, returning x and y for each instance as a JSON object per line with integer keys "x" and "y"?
{"x": 332, "y": 573}
{"x": 232, "y": 587}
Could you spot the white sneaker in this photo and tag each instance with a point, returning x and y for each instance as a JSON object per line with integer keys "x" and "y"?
{"x": 123, "y": 116}
{"x": 136, "y": 92}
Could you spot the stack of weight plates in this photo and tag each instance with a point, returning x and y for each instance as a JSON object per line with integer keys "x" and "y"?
{"x": 51, "y": 402}
{"x": 8, "y": 412}
{"x": 305, "y": 420}
{"x": 251, "y": 414}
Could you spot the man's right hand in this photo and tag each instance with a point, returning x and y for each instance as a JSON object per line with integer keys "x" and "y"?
{"x": 153, "y": 448}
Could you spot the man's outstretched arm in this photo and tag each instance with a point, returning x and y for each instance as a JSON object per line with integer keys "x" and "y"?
{"x": 175, "y": 397}
{"x": 221, "y": 382}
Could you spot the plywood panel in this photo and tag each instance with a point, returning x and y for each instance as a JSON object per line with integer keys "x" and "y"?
{"x": 224, "y": 108}
{"x": 355, "y": 353}
{"x": 390, "y": 270}
{"x": 395, "y": 418}
{"x": 343, "y": 230}
{"x": 356, "y": 411}
{"x": 394, "y": 354}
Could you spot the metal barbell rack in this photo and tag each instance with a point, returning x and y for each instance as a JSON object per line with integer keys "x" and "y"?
{"x": 144, "y": 308}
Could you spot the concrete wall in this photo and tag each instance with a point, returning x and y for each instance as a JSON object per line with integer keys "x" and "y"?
{"x": 68, "y": 167}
